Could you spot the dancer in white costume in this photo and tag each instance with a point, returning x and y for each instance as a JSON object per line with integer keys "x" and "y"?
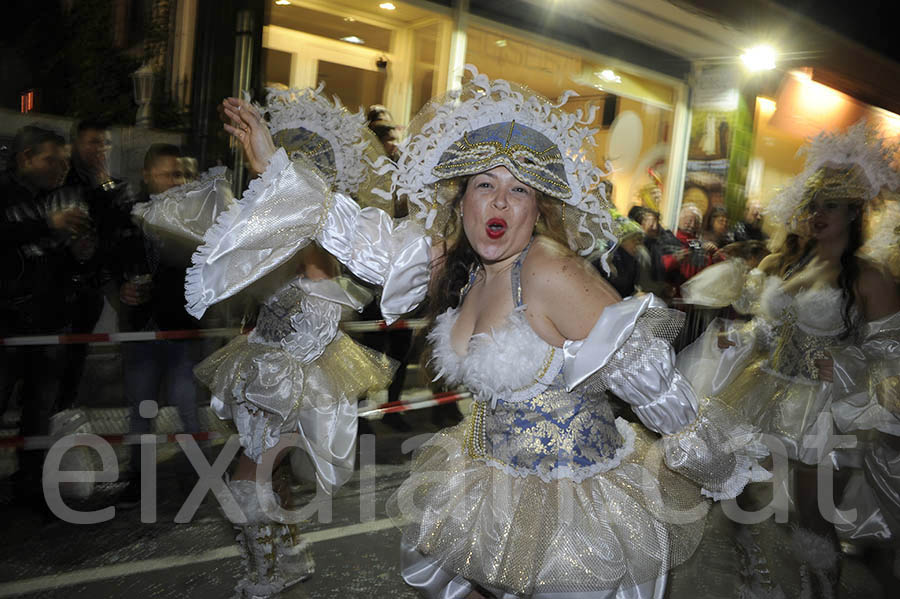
{"x": 541, "y": 492}
{"x": 295, "y": 372}
{"x": 825, "y": 339}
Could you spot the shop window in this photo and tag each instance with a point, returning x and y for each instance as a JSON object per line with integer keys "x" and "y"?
{"x": 425, "y": 55}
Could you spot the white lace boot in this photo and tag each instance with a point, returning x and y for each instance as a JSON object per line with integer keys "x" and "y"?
{"x": 293, "y": 555}
{"x": 275, "y": 556}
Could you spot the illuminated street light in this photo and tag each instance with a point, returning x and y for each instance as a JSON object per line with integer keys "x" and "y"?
{"x": 759, "y": 58}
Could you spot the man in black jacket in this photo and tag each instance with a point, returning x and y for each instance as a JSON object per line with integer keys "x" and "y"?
{"x": 94, "y": 266}
{"x": 34, "y": 243}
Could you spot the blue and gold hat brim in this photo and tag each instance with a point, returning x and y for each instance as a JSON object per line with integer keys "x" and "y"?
{"x": 530, "y": 157}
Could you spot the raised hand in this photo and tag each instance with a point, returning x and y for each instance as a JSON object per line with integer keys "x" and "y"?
{"x": 247, "y": 126}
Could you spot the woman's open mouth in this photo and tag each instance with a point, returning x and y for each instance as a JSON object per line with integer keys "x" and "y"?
{"x": 496, "y": 227}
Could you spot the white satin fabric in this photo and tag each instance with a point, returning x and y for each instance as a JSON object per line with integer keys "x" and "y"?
{"x": 426, "y": 575}
{"x": 874, "y": 492}
{"x": 285, "y": 209}
{"x": 394, "y": 255}
{"x": 274, "y": 394}
{"x": 769, "y": 375}
{"x": 272, "y": 386}
{"x": 659, "y": 395}
{"x": 327, "y": 427}
{"x": 189, "y": 210}
{"x": 709, "y": 368}
{"x": 717, "y": 449}
{"x": 867, "y": 379}
{"x": 867, "y": 398}
{"x": 277, "y": 216}
{"x": 716, "y": 286}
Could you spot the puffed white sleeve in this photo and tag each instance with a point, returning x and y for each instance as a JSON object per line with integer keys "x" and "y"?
{"x": 866, "y": 386}
{"x": 393, "y": 254}
{"x": 628, "y": 352}
{"x": 289, "y": 206}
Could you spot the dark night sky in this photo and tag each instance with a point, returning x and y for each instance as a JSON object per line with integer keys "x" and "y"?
{"x": 872, "y": 23}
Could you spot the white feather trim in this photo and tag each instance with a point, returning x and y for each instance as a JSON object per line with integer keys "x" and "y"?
{"x": 347, "y": 132}
{"x": 508, "y": 364}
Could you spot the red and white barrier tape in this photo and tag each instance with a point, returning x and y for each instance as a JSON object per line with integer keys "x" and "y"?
{"x": 363, "y": 326}
{"x": 409, "y": 405}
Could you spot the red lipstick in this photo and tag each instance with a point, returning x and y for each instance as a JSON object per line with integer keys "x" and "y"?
{"x": 496, "y": 227}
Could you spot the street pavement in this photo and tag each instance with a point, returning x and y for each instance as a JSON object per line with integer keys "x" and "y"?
{"x": 356, "y": 555}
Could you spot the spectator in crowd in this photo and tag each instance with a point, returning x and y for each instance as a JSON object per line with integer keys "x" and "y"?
{"x": 32, "y": 247}
{"x": 398, "y": 344}
{"x": 692, "y": 255}
{"x": 94, "y": 265}
{"x": 751, "y": 228}
{"x": 382, "y": 125}
{"x": 657, "y": 242}
{"x": 716, "y": 230}
{"x": 152, "y": 299}
{"x": 625, "y": 271}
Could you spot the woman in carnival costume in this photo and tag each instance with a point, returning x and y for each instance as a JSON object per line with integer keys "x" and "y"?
{"x": 540, "y": 492}
{"x": 824, "y": 340}
{"x": 295, "y": 372}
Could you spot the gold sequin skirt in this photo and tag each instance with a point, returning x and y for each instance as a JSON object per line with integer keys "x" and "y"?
{"x": 527, "y": 537}
{"x": 266, "y": 391}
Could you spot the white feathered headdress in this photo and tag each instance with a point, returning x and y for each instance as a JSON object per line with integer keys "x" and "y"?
{"x": 856, "y": 164}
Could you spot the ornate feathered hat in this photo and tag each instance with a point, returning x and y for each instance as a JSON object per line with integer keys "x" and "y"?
{"x": 339, "y": 143}
{"x": 489, "y": 123}
{"x": 853, "y": 165}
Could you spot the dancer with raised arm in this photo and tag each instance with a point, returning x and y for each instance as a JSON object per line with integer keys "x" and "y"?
{"x": 295, "y": 372}
{"x": 541, "y": 492}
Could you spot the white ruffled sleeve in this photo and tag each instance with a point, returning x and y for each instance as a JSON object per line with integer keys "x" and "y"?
{"x": 285, "y": 209}
{"x": 279, "y": 214}
{"x": 394, "y": 255}
{"x": 622, "y": 354}
{"x": 866, "y": 385}
{"x": 628, "y": 352}
{"x": 716, "y": 286}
